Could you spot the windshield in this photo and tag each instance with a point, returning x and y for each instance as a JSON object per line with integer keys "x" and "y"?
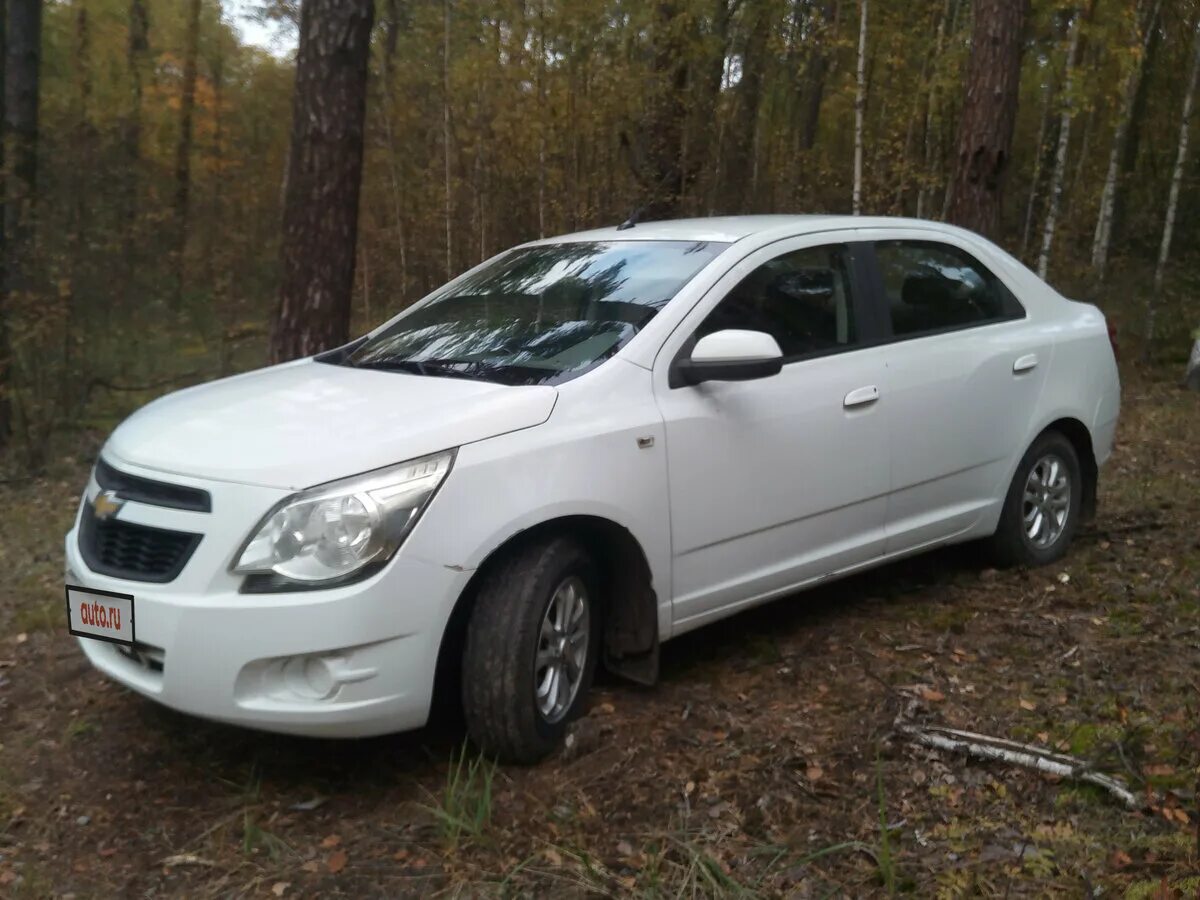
{"x": 538, "y": 315}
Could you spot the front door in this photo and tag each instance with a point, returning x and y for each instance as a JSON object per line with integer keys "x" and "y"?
{"x": 777, "y": 481}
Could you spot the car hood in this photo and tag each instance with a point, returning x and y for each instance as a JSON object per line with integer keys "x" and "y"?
{"x": 305, "y": 423}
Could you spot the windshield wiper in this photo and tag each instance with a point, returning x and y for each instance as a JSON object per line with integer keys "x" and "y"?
{"x": 434, "y": 368}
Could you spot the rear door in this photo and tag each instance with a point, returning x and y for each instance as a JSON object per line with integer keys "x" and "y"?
{"x": 780, "y": 480}
{"x": 965, "y": 367}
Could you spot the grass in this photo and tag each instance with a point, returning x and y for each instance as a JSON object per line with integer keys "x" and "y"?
{"x": 465, "y": 808}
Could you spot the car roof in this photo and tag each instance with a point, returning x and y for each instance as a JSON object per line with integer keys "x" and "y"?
{"x": 728, "y": 229}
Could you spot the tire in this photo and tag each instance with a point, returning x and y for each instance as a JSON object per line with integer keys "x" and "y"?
{"x": 506, "y": 716}
{"x": 1020, "y": 538}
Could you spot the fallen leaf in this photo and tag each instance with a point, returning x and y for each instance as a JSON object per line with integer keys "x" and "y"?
{"x": 1160, "y": 769}
{"x": 310, "y": 866}
{"x": 337, "y": 861}
{"x": 1119, "y": 859}
{"x": 930, "y": 695}
{"x": 279, "y": 887}
{"x": 332, "y": 841}
{"x": 400, "y": 855}
{"x": 814, "y": 773}
{"x": 605, "y": 709}
{"x": 1028, "y": 704}
{"x": 552, "y": 856}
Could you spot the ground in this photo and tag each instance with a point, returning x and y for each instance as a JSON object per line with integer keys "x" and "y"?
{"x": 765, "y": 763}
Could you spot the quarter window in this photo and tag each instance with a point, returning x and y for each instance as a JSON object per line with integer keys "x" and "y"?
{"x": 802, "y": 299}
{"x": 934, "y": 287}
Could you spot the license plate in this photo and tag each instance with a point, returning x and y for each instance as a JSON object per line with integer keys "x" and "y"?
{"x": 103, "y": 615}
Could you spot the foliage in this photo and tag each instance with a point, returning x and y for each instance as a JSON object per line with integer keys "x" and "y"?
{"x": 491, "y": 122}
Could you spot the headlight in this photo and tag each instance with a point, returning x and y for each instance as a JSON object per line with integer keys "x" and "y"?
{"x": 329, "y": 532}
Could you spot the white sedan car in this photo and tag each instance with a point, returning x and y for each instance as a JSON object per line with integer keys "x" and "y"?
{"x": 579, "y": 449}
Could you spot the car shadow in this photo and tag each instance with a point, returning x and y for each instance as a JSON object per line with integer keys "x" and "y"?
{"x": 239, "y": 756}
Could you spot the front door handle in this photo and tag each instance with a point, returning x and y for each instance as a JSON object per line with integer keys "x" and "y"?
{"x": 1025, "y": 363}
{"x": 862, "y": 396}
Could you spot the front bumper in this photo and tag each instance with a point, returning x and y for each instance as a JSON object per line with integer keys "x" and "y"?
{"x": 352, "y": 661}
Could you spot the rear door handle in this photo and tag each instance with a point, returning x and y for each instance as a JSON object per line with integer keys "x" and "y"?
{"x": 1025, "y": 363}
{"x": 861, "y": 396}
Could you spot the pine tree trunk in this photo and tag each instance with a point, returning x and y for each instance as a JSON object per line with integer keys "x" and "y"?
{"x": 320, "y": 218}
{"x": 183, "y": 147}
{"x": 449, "y": 197}
{"x": 5, "y": 347}
{"x": 815, "y": 70}
{"x": 1164, "y": 250}
{"x": 860, "y": 106}
{"x": 655, "y": 152}
{"x": 1058, "y": 176}
{"x": 1108, "y": 196}
{"x": 989, "y": 115}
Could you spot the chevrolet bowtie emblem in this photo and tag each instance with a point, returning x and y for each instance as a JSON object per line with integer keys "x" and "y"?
{"x": 106, "y": 505}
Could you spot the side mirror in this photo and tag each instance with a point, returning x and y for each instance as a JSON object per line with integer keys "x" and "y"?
{"x": 731, "y": 355}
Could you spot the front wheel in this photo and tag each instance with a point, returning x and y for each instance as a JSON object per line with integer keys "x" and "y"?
{"x": 1041, "y": 510}
{"x": 531, "y": 650}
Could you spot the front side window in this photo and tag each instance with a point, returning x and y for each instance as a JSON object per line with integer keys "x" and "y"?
{"x": 934, "y": 287}
{"x": 802, "y": 299}
{"x": 538, "y": 315}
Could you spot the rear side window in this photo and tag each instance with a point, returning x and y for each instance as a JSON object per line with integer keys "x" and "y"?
{"x": 802, "y": 299}
{"x": 936, "y": 287}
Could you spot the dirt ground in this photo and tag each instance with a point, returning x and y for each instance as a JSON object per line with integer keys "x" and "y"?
{"x": 766, "y": 762}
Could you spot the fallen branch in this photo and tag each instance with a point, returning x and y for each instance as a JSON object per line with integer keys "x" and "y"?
{"x": 1027, "y": 755}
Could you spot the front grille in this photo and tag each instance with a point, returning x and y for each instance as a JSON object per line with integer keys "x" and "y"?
{"x": 134, "y": 552}
{"x": 154, "y": 493}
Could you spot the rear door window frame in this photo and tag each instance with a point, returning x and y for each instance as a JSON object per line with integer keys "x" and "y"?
{"x": 873, "y": 273}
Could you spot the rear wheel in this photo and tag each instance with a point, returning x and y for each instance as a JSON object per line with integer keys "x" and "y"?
{"x": 531, "y": 650}
{"x": 1043, "y": 504}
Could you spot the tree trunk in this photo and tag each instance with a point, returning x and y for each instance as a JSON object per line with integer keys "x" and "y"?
{"x": 1036, "y": 179}
{"x": 446, "y": 187}
{"x": 183, "y": 147}
{"x": 930, "y": 168}
{"x": 743, "y": 143}
{"x": 1058, "y": 176}
{"x": 815, "y": 71}
{"x": 320, "y": 219}
{"x": 655, "y": 153}
{"x": 989, "y": 115}
{"x": 137, "y": 52}
{"x": 5, "y": 348}
{"x": 1108, "y": 197}
{"x": 860, "y": 106}
{"x": 1164, "y": 249}
{"x": 22, "y": 86}
{"x": 1191, "y": 378}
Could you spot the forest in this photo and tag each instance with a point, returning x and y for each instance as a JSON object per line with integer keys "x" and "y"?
{"x": 147, "y": 150}
{"x": 183, "y": 200}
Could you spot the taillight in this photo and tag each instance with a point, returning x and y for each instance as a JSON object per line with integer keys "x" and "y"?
{"x": 1112, "y": 339}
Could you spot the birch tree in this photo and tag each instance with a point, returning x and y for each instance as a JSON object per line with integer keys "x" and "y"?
{"x": 1164, "y": 249}
{"x": 1108, "y": 196}
{"x": 1058, "y": 175}
{"x": 860, "y": 106}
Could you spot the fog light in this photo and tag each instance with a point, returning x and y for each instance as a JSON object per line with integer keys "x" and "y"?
{"x": 310, "y": 677}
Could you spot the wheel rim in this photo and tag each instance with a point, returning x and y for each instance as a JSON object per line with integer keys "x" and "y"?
{"x": 1047, "y": 502}
{"x": 562, "y": 649}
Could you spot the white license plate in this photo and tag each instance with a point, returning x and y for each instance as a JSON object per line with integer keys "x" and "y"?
{"x": 102, "y": 615}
